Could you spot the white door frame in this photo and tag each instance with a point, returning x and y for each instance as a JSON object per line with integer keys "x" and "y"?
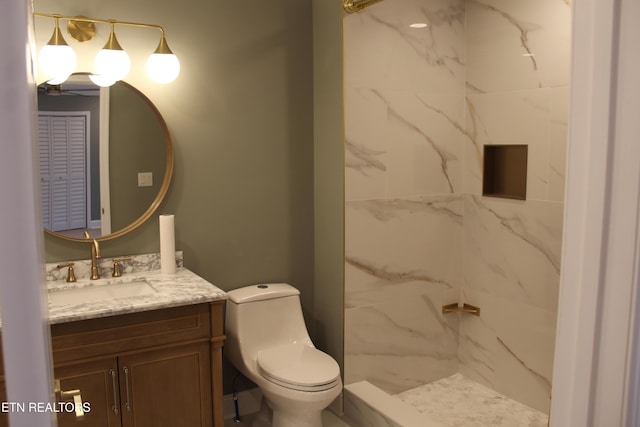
{"x": 105, "y": 188}
{"x": 87, "y": 156}
{"x": 596, "y": 366}
{"x": 598, "y": 272}
{"x": 25, "y": 327}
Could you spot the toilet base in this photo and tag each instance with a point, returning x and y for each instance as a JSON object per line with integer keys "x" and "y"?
{"x": 268, "y": 417}
{"x": 285, "y": 419}
{"x": 264, "y": 416}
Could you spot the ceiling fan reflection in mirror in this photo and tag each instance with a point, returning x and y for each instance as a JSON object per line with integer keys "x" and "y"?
{"x": 68, "y": 89}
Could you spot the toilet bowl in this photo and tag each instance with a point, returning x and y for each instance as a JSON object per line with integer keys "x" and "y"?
{"x": 268, "y": 342}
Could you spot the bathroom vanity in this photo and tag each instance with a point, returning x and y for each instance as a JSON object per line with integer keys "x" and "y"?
{"x": 131, "y": 346}
{"x": 147, "y": 359}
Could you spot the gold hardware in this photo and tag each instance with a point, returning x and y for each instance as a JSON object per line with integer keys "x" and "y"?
{"x": 80, "y": 29}
{"x": 163, "y": 47}
{"x": 84, "y": 23}
{"x": 464, "y": 308}
{"x": 95, "y": 254}
{"x": 71, "y": 275}
{"x": 112, "y": 42}
{"x": 117, "y": 272}
{"x": 352, "y": 6}
{"x": 164, "y": 67}
{"x": 75, "y": 394}
{"x": 56, "y": 38}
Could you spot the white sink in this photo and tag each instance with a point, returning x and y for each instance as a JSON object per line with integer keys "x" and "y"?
{"x": 96, "y": 293}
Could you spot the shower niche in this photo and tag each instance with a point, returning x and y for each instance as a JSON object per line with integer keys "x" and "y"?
{"x": 505, "y": 171}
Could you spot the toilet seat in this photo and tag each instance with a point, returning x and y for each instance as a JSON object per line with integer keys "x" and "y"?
{"x": 299, "y": 367}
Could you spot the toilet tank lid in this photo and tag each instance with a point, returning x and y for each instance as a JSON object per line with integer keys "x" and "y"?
{"x": 261, "y": 292}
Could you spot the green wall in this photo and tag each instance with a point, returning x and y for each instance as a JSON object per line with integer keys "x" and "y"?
{"x": 137, "y": 144}
{"x": 329, "y": 176}
{"x": 241, "y": 118}
{"x": 240, "y": 115}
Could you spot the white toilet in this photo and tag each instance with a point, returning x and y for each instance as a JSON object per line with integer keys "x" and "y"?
{"x": 268, "y": 342}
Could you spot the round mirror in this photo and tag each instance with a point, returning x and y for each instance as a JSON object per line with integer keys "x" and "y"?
{"x": 106, "y": 158}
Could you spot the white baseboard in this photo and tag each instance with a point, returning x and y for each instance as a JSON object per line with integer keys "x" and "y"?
{"x": 248, "y": 403}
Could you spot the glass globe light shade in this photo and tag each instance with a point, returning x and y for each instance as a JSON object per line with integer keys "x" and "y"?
{"x": 101, "y": 80}
{"x": 163, "y": 67}
{"x": 113, "y": 64}
{"x": 57, "y": 61}
{"x": 58, "y": 80}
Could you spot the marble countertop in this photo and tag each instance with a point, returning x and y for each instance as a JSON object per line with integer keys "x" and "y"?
{"x": 180, "y": 288}
{"x": 172, "y": 290}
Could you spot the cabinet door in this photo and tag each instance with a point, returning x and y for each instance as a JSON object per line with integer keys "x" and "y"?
{"x": 4, "y": 416}
{"x": 98, "y": 385}
{"x": 167, "y": 388}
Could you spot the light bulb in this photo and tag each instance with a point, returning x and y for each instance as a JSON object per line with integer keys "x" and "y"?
{"x": 101, "y": 80}
{"x": 113, "y": 64}
{"x": 56, "y": 58}
{"x": 58, "y": 80}
{"x": 57, "y": 61}
{"x": 163, "y": 67}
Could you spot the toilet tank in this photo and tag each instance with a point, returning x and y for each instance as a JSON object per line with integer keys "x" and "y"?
{"x": 260, "y": 317}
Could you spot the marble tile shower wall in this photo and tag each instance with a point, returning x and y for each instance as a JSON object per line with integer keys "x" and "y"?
{"x": 511, "y": 249}
{"x": 419, "y": 105}
{"x": 405, "y": 144}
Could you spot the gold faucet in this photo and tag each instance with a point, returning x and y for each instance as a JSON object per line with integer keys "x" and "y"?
{"x": 95, "y": 254}
{"x": 71, "y": 275}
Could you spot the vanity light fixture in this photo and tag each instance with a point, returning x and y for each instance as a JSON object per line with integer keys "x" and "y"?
{"x": 112, "y": 63}
{"x": 163, "y": 66}
{"x": 56, "y": 58}
{"x": 100, "y": 80}
{"x": 418, "y": 25}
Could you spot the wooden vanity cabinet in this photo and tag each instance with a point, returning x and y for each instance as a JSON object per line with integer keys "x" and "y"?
{"x": 96, "y": 382}
{"x": 168, "y": 387}
{"x": 156, "y": 368}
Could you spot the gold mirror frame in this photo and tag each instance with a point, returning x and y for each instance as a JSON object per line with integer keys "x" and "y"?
{"x": 166, "y": 181}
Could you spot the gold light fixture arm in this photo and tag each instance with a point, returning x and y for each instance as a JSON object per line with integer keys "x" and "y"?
{"x": 56, "y": 37}
{"x": 163, "y": 47}
{"x": 82, "y": 28}
{"x": 112, "y": 42}
{"x": 352, "y": 6}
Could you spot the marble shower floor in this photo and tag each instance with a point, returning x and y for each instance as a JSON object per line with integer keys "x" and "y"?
{"x": 456, "y": 401}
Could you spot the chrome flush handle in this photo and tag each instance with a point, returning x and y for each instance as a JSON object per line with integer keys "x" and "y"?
{"x": 114, "y": 407}
{"x": 127, "y": 403}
